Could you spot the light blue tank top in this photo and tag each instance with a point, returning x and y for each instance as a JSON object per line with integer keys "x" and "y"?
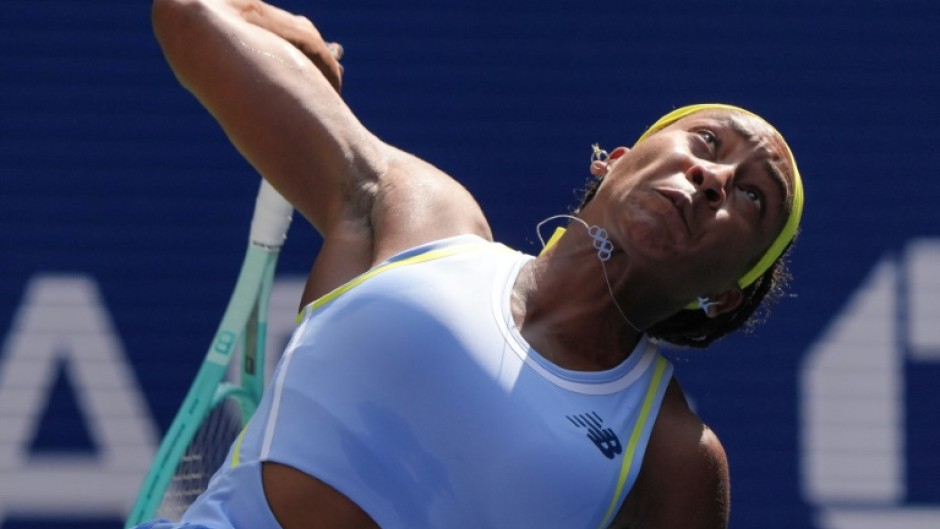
{"x": 411, "y": 391}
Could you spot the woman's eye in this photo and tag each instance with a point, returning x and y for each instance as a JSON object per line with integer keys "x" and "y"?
{"x": 709, "y": 137}
{"x": 755, "y": 197}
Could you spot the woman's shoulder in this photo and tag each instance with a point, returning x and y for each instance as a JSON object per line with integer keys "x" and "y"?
{"x": 415, "y": 203}
{"x": 684, "y": 481}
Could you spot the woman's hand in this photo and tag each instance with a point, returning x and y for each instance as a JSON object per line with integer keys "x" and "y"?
{"x": 302, "y": 34}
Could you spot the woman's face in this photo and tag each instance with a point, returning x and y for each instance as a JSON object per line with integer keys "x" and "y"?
{"x": 696, "y": 204}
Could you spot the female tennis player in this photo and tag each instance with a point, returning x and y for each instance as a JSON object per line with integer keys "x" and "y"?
{"x": 438, "y": 379}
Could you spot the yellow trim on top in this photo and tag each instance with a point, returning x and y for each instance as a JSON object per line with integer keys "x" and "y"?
{"x": 358, "y": 280}
{"x": 236, "y": 448}
{"x": 655, "y": 384}
{"x": 556, "y": 235}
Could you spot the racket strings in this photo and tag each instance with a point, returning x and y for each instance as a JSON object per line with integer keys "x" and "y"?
{"x": 203, "y": 457}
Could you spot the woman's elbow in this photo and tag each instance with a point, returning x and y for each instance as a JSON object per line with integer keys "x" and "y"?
{"x": 171, "y": 18}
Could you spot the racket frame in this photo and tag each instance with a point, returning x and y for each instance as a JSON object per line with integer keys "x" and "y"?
{"x": 243, "y": 328}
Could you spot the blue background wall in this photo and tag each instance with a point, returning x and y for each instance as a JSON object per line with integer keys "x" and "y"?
{"x": 110, "y": 171}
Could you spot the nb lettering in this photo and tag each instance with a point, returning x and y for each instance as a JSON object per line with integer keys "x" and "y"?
{"x": 605, "y": 439}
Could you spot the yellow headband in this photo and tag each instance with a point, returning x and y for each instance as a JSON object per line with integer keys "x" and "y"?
{"x": 788, "y": 232}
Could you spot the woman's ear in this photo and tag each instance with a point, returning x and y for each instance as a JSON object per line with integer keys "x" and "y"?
{"x": 599, "y": 168}
{"x": 722, "y": 303}
{"x": 618, "y": 152}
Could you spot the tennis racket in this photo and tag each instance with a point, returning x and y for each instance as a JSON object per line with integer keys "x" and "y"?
{"x": 219, "y": 404}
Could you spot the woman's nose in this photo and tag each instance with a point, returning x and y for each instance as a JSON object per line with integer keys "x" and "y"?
{"x": 711, "y": 180}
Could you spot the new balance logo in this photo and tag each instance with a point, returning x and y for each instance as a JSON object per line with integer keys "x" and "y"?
{"x": 604, "y": 438}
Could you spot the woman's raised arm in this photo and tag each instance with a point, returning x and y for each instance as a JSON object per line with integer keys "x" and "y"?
{"x": 272, "y": 83}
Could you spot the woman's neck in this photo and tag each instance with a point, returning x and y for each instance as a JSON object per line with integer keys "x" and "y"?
{"x": 563, "y": 305}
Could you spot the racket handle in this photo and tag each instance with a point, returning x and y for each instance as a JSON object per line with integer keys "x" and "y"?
{"x": 271, "y": 218}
